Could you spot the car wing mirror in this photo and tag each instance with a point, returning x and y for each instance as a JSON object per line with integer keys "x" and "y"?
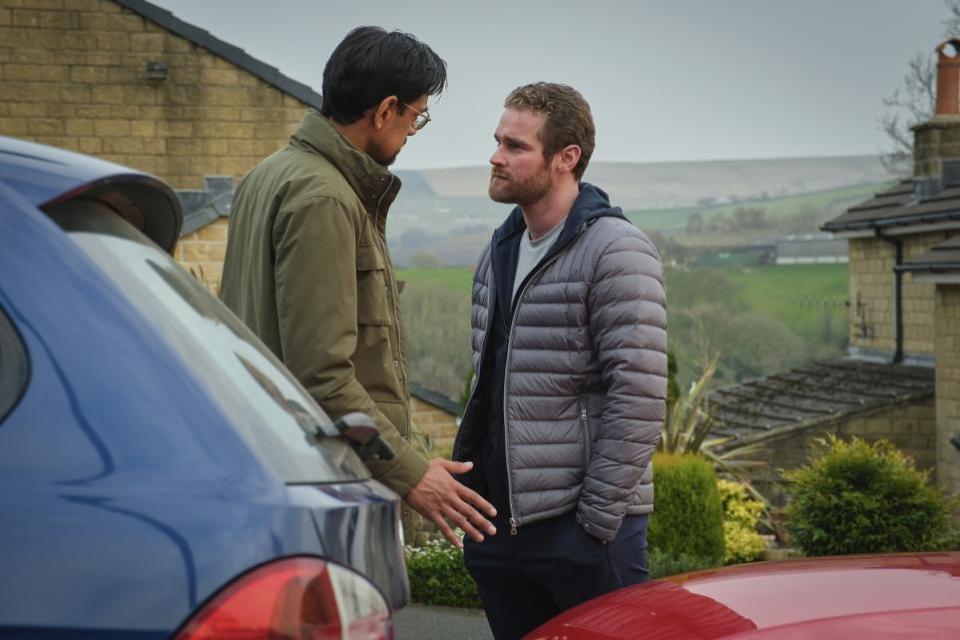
{"x": 362, "y": 433}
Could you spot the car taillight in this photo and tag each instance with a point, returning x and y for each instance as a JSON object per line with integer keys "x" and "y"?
{"x": 294, "y": 599}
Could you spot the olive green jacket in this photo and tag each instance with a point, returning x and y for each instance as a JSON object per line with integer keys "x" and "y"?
{"x": 307, "y": 268}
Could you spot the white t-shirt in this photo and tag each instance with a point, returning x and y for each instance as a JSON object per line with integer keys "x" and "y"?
{"x": 532, "y": 251}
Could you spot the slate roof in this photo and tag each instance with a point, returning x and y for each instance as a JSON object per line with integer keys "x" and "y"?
{"x": 942, "y": 258}
{"x": 436, "y": 399}
{"x": 203, "y": 207}
{"x": 236, "y": 55}
{"x": 818, "y": 394}
{"x": 917, "y": 200}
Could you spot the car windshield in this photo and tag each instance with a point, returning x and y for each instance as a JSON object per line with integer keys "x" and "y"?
{"x": 263, "y": 401}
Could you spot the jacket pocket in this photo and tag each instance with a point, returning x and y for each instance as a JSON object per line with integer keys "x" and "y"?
{"x": 372, "y": 308}
{"x": 585, "y": 433}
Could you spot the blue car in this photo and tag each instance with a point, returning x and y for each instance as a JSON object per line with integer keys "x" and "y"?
{"x": 161, "y": 474}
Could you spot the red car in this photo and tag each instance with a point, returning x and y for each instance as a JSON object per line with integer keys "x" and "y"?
{"x": 882, "y": 596}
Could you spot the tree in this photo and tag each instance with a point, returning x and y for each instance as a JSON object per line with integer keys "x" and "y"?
{"x": 913, "y": 101}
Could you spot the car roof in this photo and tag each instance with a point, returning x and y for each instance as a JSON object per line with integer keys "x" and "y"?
{"x": 766, "y": 599}
{"x": 47, "y": 176}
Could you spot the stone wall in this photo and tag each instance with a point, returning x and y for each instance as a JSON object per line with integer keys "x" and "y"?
{"x": 439, "y": 426}
{"x": 933, "y": 140}
{"x": 202, "y": 253}
{"x": 947, "y": 318}
{"x": 73, "y": 74}
{"x": 871, "y": 296}
{"x": 910, "y": 428}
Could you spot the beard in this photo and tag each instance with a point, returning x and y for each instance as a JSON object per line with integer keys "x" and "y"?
{"x": 389, "y": 161}
{"x": 520, "y": 192}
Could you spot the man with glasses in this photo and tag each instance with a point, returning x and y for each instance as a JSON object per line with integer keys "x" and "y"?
{"x": 307, "y": 266}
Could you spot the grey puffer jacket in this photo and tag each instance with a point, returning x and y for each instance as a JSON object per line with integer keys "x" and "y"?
{"x": 586, "y": 371}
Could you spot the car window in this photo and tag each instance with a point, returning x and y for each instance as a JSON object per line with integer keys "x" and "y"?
{"x": 13, "y": 366}
{"x": 263, "y": 401}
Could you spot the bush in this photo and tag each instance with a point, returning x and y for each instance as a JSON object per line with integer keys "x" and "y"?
{"x": 865, "y": 498}
{"x": 741, "y": 513}
{"x": 662, "y": 564}
{"x": 688, "y": 520}
{"x": 439, "y": 577}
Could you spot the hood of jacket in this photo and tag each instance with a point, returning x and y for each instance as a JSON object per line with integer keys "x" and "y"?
{"x": 592, "y": 203}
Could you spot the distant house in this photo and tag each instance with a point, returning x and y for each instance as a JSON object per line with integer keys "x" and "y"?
{"x": 901, "y": 378}
{"x": 129, "y": 82}
{"x": 811, "y": 248}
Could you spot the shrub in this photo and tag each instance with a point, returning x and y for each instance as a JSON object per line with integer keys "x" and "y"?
{"x": 741, "y": 514}
{"x": 439, "y": 577}
{"x": 865, "y": 498}
{"x": 662, "y": 564}
{"x": 688, "y": 520}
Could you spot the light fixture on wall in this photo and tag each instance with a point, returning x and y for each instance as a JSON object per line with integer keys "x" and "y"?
{"x": 156, "y": 70}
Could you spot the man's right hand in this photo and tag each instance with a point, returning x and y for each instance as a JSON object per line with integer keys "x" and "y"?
{"x": 439, "y": 497}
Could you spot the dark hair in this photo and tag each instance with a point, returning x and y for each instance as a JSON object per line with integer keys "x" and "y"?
{"x": 567, "y": 118}
{"x": 371, "y": 64}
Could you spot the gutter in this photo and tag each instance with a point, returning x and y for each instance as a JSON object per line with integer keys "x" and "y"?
{"x": 908, "y": 220}
{"x": 897, "y": 294}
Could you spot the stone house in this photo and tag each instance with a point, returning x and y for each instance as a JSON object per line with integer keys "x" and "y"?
{"x": 901, "y": 378}
{"x": 436, "y": 418}
{"x": 129, "y": 82}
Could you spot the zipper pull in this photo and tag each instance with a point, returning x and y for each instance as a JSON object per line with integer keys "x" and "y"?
{"x": 583, "y": 414}
{"x": 513, "y": 527}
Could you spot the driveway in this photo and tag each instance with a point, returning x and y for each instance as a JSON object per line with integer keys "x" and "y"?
{"x": 418, "y": 622}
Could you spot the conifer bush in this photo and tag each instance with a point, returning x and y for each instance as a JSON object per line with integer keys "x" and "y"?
{"x": 688, "y": 517}
{"x": 865, "y": 498}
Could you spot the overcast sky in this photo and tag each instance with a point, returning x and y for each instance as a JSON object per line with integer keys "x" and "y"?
{"x": 667, "y": 80}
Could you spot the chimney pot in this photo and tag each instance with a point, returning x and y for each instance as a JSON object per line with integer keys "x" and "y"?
{"x": 948, "y": 78}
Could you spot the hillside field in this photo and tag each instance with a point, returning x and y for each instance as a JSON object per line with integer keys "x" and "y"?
{"x": 829, "y": 202}
{"x": 797, "y": 295}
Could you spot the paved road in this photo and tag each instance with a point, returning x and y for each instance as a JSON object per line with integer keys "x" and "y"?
{"x": 417, "y": 622}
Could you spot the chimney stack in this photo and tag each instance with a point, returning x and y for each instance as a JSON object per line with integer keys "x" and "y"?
{"x": 948, "y": 79}
{"x": 939, "y": 138}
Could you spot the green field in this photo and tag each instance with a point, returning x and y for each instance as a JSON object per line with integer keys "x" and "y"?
{"x": 830, "y": 202}
{"x": 456, "y": 278}
{"x": 797, "y": 295}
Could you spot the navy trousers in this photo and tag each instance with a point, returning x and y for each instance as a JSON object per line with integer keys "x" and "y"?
{"x": 549, "y": 567}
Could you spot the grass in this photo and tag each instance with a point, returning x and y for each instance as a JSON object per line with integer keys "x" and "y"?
{"x": 456, "y": 278}
{"x": 797, "y": 294}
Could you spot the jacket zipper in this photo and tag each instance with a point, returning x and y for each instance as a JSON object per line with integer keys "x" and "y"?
{"x": 587, "y": 436}
{"x": 506, "y": 377}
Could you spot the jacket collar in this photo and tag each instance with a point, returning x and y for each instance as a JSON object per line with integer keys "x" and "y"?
{"x": 591, "y": 203}
{"x": 375, "y": 186}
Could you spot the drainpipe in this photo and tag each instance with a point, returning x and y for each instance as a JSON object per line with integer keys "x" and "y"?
{"x": 897, "y": 296}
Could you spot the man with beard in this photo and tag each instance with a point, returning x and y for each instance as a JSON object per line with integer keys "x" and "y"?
{"x": 569, "y": 346}
{"x": 307, "y": 267}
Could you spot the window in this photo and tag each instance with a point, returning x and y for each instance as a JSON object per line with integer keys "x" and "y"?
{"x": 14, "y": 366}
{"x": 263, "y": 402}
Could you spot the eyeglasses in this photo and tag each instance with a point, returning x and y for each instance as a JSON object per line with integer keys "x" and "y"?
{"x": 423, "y": 117}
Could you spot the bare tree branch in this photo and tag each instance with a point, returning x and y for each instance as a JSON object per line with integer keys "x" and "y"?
{"x": 913, "y": 101}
